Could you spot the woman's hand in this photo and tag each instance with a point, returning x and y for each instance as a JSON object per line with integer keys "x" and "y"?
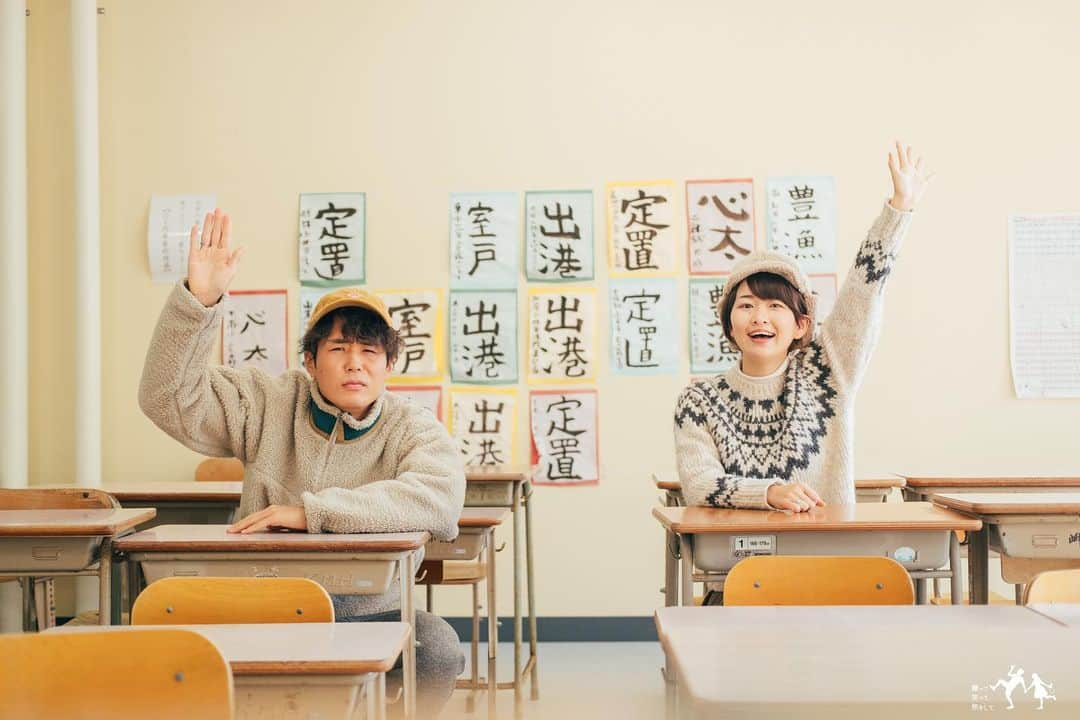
{"x": 909, "y": 177}
{"x": 211, "y": 264}
{"x": 795, "y": 496}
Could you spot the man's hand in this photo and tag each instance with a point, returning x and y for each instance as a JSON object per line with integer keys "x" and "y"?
{"x": 796, "y": 497}
{"x": 909, "y": 177}
{"x": 211, "y": 264}
{"x": 275, "y": 517}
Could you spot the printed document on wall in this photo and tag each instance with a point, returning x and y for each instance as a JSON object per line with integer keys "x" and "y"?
{"x": 1044, "y": 304}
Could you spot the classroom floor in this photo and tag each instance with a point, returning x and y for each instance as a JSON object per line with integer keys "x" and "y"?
{"x": 577, "y": 680}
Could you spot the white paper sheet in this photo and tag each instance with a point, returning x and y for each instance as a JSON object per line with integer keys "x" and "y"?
{"x": 333, "y": 241}
{"x": 169, "y": 231}
{"x": 482, "y": 424}
{"x": 1044, "y": 303}
{"x": 563, "y": 425}
{"x": 255, "y": 330}
{"x": 801, "y": 221}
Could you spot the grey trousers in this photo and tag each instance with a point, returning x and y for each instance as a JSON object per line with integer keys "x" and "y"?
{"x": 439, "y": 660}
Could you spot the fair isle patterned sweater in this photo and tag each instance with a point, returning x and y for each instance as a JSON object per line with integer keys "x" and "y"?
{"x": 396, "y": 470}
{"x": 736, "y": 435}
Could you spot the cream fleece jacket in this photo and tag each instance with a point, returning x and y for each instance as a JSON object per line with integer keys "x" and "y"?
{"x": 394, "y": 471}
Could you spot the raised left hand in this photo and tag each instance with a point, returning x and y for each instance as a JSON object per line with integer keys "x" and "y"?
{"x": 909, "y": 177}
{"x": 274, "y": 517}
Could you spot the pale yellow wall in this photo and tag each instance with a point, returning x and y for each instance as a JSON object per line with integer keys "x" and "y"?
{"x": 408, "y": 101}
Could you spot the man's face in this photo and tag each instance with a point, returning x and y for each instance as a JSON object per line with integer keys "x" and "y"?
{"x": 351, "y": 375}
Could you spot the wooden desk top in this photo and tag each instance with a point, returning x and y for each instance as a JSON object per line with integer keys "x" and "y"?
{"x": 214, "y": 538}
{"x": 1065, "y": 613}
{"x": 295, "y": 648}
{"x": 104, "y": 522}
{"x": 186, "y": 491}
{"x": 1034, "y": 503}
{"x": 865, "y": 662}
{"x": 860, "y": 516}
{"x": 868, "y": 484}
{"x": 482, "y": 517}
{"x": 181, "y": 491}
{"x": 497, "y": 473}
{"x": 876, "y": 483}
{"x": 930, "y": 482}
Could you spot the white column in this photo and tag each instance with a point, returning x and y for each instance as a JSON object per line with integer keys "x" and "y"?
{"x": 87, "y": 310}
{"x": 14, "y": 333}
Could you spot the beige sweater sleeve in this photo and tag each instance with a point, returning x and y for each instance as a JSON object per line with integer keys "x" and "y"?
{"x": 850, "y": 332}
{"x": 427, "y": 494}
{"x": 213, "y": 410}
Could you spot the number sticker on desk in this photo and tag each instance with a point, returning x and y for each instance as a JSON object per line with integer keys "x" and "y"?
{"x": 747, "y": 545}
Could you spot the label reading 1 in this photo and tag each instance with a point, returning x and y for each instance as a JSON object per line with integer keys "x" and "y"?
{"x": 747, "y": 545}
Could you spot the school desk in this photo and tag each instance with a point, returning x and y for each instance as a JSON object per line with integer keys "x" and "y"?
{"x": 1067, "y": 614}
{"x": 862, "y": 662}
{"x": 917, "y": 535}
{"x": 510, "y": 487}
{"x": 358, "y": 564}
{"x": 181, "y": 502}
{"x": 866, "y": 490}
{"x": 1032, "y": 531}
{"x": 872, "y": 490}
{"x": 920, "y": 487}
{"x": 301, "y": 670}
{"x": 58, "y": 543}
{"x": 476, "y": 533}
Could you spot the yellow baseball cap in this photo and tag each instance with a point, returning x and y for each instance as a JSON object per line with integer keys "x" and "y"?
{"x": 349, "y": 297}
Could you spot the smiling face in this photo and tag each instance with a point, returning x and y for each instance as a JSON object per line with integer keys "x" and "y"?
{"x": 350, "y": 366}
{"x": 767, "y": 315}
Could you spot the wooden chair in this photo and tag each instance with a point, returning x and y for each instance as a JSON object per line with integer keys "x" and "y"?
{"x": 114, "y": 675}
{"x": 818, "y": 580}
{"x": 219, "y": 470}
{"x": 38, "y": 592}
{"x": 215, "y": 600}
{"x": 1055, "y": 586}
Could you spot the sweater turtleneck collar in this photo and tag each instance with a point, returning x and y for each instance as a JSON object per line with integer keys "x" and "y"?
{"x": 763, "y": 387}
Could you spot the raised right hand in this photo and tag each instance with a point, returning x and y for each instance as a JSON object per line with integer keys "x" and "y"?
{"x": 795, "y": 496}
{"x": 211, "y": 264}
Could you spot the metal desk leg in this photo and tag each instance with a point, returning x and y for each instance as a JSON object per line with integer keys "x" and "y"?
{"x": 671, "y": 566}
{"x": 518, "y": 670}
{"x": 956, "y": 582}
{"x": 407, "y": 573}
{"x": 134, "y": 583}
{"x": 534, "y": 682}
{"x": 27, "y": 585}
{"x": 686, "y": 584}
{"x": 108, "y": 587}
{"x": 474, "y": 646}
{"x": 379, "y": 692}
{"x": 979, "y": 566}
{"x": 493, "y": 627}
{"x": 671, "y": 570}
